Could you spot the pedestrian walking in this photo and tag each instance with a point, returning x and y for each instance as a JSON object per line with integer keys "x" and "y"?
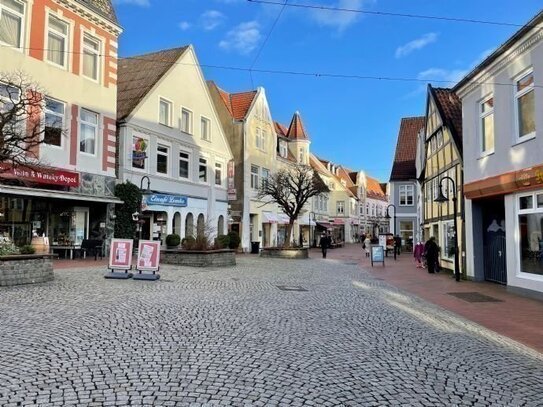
{"x": 431, "y": 252}
{"x": 367, "y": 244}
{"x": 398, "y": 244}
{"x": 418, "y": 252}
{"x": 324, "y": 242}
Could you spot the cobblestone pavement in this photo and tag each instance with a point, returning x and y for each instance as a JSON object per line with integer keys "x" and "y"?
{"x": 232, "y": 337}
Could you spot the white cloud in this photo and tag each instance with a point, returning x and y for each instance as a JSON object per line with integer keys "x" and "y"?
{"x": 184, "y": 25}
{"x": 140, "y": 3}
{"x": 211, "y": 19}
{"x": 415, "y": 45}
{"x": 243, "y": 38}
{"x": 339, "y": 20}
{"x": 451, "y": 76}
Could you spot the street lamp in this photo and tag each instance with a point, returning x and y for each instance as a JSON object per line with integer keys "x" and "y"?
{"x": 147, "y": 191}
{"x": 440, "y": 199}
{"x": 387, "y": 216}
{"x": 314, "y": 240}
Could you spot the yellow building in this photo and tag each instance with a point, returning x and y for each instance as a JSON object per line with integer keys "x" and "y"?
{"x": 443, "y": 158}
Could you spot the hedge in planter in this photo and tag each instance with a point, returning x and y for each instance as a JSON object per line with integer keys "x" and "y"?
{"x": 173, "y": 240}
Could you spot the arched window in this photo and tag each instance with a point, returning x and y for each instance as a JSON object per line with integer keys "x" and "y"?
{"x": 200, "y": 226}
{"x": 176, "y": 226}
{"x": 220, "y": 226}
{"x": 189, "y": 225}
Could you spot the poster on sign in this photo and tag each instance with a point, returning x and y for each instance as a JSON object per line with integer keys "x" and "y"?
{"x": 148, "y": 255}
{"x": 120, "y": 256}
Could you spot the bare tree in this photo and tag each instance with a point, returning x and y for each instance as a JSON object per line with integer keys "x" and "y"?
{"x": 291, "y": 188}
{"x": 21, "y": 127}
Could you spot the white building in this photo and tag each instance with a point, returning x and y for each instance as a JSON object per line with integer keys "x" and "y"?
{"x": 169, "y": 132}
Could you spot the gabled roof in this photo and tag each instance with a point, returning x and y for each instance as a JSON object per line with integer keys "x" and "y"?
{"x": 238, "y": 104}
{"x": 374, "y": 189}
{"x": 449, "y": 106}
{"x": 296, "y": 129}
{"x": 102, "y": 7}
{"x": 138, "y": 75}
{"x": 403, "y": 167}
{"x": 280, "y": 129}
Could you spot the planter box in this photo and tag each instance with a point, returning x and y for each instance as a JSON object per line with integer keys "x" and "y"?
{"x": 26, "y": 269}
{"x": 194, "y": 258}
{"x": 285, "y": 253}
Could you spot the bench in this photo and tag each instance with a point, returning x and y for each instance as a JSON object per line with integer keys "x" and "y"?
{"x": 92, "y": 247}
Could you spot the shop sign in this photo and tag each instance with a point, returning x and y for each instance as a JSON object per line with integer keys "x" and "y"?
{"x": 166, "y": 200}
{"x": 529, "y": 177}
{"x": 139, "y": 152}
{"x": 49, "y": 176}
{"x": 120, "y": 256}
{"x": 148, "y": 255}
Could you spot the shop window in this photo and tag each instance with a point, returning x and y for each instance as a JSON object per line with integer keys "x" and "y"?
{"x": 406, "y": 233}
{"x": 530, "y": 224}
{"x": 91, "y": 57}
{"x": 89, "y": 131}
{"x": 184, "y": 164}
{"x": 57, "y": 41}
{"x": 12, "y": 22}
{"x": 526, "y": 202}
{"x": 54, "y": 122}
{"x": 448, "y": 240}
{"x": 202, "y": 170}
{"x": 162, "y": 153}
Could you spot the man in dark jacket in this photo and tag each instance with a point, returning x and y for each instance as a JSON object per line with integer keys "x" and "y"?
{"x": 431, "y": 251}
{"x": 324, "y": 242}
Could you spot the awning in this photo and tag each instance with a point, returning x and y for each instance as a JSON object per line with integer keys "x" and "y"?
{"x": 324, "y": 225}
{"x": 270, "y": 217}
{"x": 45, "y": 193}
{"x": 306, "y": 221}
{"x": 283, "y": 219}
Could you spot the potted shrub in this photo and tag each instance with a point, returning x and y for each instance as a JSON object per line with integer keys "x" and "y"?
{"x": 234, "y": 240}
{"x": 222, "y": 242}
{"x": 172, "y": 241}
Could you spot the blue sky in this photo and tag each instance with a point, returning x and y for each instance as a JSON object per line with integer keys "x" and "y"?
{"x": 351, "y": 122}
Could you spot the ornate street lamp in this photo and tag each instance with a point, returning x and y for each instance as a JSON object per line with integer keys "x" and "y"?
{"x": 441, "y": 198}
{"x": 147, "y": 191}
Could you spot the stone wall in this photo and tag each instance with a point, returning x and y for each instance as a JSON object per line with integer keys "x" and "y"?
{"x": 285, "y": 253}
{"x": 215, "y": 258}
{"x": 25, "y": 269}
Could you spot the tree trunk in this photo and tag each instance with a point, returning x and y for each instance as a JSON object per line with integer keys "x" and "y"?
{"x": 288, "y": 239}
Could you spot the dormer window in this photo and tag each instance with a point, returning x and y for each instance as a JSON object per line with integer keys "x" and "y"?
{"x": 283, "y": 151}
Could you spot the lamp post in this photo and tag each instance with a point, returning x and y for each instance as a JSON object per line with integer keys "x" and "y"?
{"x": 440, "y": 199}
{"x": 387, "y": 216}
{"x": 313, "y": 240}
{"x": 143, "y": 192}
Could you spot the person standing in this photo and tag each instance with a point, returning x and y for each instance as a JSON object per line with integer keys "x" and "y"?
{"x": 367, "y": 244}
{"x": 324, "y": 243}
{"x": 431, "y": 251}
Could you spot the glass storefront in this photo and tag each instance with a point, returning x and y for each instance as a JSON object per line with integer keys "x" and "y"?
{"x": 406, "y": 234}
{"x": 530, "y": 228}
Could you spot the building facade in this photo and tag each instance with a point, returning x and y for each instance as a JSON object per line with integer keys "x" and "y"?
{"x": 503, "y": 162}
{"x": 443, "y": 158}
{"x": 69, "y": 48}
{"x": 404, "y": 187}
{"x": 172, "y": 145}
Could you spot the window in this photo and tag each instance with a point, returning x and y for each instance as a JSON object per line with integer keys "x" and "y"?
{"x": 206, "y": 129}
{"x": 11, "y": 22}
{"x": 340, "y": 206}
{"x": 54, "y": 122}
{"x": 486, "y": 118}
{"x": 139, "y": 152}
{"x": 301, "y": 157}
{"x": 254, "y": 176}
{"x": 218, "y": 173}
{"x": 530, "y": 230}
{"x": 448, "y": 240}
{"x": 265, "y": 176}
{"x": 202, "y": 170}
{"x": 258, "y": 139}
{"x": 407, "y": 193}
{"x": 88, "y": 124}
{"x": 162, "y": 153}
{"x": 165, "y": 112}
{"x": 435, "y": 187}
{"x": 184, "y": 164}
{"x": 57, "y": 41}
{"x": 283, "y": 148}
{"x": 91, "y": 57}
{"x": 525, "y": 107}
{"x": 186, "y": 121}
{"x": 406, "y": 233}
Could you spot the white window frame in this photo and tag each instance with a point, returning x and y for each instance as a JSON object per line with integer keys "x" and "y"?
{"x": 4, "y": 9}
{"x": 265, "y": 175}
{"x": 96, "y": 133}
{"x": 258, "y": 138}
{"x": 517, "y": 96}
{"x": 206, "y": 162}
{"x": 202, "y": 135}
{"x": 169, "y": 103}
{"x": 220, "y": 166}
{"x": 255, "y": 176}
{"x": 66, "y": 38}
{"x": 404, "y": 192}
{"x": 482, "y": 116}
{"x": 63, "y": 119}
{"x": 167, "y": 155}
{"x": 283, "y": 149}
{"x": 97, "y": 54}
{"x": 340, "y": 207}
{"x": 187, "y": 160}
{"x": 444, "y": 229}
{"x": 190, "y": 124}
{"x": 533, "y": 210}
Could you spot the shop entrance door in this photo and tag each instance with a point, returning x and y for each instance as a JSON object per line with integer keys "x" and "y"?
{"x": 494, "y": 242}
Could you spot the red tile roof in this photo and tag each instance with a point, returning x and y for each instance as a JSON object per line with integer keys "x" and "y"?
{"x": 374, "y": 189}
{"x": 296, "y": 129}
{"x": 403, "y": 167}
{"x": 238, "y": 104}
{"x": 280, "y": 129}
{"x": 450, "y": 109}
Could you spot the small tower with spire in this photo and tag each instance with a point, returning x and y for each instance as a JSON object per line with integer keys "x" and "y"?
{"x": 298, "y": 139}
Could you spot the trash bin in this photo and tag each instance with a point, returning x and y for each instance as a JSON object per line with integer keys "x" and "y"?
{"x": 255, "y": 247}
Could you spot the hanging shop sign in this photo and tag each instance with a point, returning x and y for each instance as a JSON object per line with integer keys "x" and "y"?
{"x": 139, "y": 152}
{"x": 48, "y": 176}
{"x": 120, "y": 256}
{"x": 165, "y": 200}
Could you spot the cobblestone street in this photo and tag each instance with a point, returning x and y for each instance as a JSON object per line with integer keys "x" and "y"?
{"x": 316, "y": 333}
